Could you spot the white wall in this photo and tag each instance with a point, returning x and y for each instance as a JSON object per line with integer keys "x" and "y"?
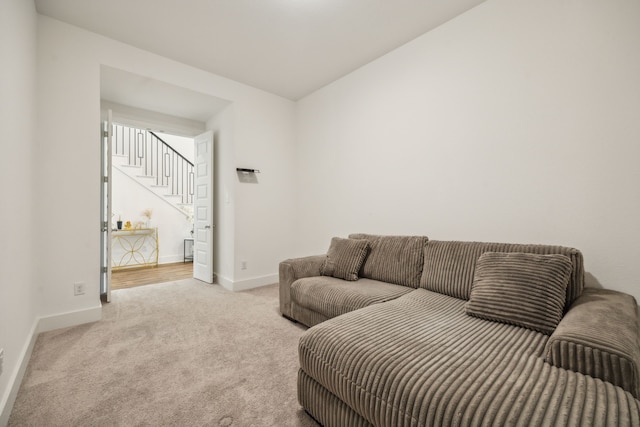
{"x": 516, "y": 122}
{"x": 146, "y": 119}
{"x": 130, "y": 199}
{"x": 264, "y": 212}
{"x": 183, "y": 145}
{"x": 69, "y": 99}
{"x": 18, "y": 301}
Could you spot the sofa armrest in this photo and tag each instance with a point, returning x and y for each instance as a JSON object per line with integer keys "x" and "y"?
{"x": 598, "y": 336}
{"x": 292, "y": 270}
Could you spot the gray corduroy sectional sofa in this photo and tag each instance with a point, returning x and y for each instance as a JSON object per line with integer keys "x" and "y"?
{"x": 412, "y": 332}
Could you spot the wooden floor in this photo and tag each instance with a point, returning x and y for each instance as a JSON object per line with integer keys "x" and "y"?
{"x": 130, "y": 278}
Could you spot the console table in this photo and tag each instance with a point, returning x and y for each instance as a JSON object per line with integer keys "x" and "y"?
{"x": 134, "y": 248}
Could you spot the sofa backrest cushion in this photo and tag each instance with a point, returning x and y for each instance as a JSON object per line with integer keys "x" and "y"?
{"x": 449, "y": 266}
{"x": 393, "y": 259}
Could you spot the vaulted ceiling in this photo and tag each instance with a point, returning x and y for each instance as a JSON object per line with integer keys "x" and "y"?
{"x": 287, "y": 47}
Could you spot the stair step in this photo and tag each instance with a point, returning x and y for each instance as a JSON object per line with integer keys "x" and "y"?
{"x": 130, "y": 166}
{"x": 145, "y": 176}
{"x": 173, "y": 195}
{"x": 159, "y": 186}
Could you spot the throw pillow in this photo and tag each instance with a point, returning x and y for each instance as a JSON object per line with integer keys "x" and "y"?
{"x": 344, "y": 258}
{"x": 521, "y": 289}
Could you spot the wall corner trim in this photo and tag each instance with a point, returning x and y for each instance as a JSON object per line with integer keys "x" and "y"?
{"x": 224, "y": 282}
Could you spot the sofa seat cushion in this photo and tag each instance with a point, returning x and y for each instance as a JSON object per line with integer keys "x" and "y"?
{"x": 332, "y": 297}
{"x": 420, "y": 360}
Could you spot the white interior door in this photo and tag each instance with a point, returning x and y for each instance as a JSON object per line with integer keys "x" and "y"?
{"x": 203, "y": 209}
{"x": 105, "y": 161}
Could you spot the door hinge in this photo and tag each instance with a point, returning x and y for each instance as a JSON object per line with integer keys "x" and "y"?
{"x": 104, "y": 225}
{"x": 105, "y": 133}
{"x": 104, "y": 269}
{"x": 105, "y": 179}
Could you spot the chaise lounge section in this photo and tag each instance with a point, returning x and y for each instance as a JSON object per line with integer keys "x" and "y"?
{"x": 464, "y": 343}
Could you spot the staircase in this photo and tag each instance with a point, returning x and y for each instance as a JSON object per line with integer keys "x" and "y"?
{"x": 154, "y": 164}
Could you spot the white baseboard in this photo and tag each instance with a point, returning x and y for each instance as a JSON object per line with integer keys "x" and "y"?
{"x": 41, "y": 324}
{"x": 243, "y": 285}
{"x": 254, "y": 282}
{"x": 223, "y": 281}
{"x": 72, "y": 318}
{"x": 170, "y": 259}
{"x": 6, "y": 405}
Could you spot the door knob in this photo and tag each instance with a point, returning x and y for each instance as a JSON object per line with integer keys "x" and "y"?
{"x": 206, "y": 227}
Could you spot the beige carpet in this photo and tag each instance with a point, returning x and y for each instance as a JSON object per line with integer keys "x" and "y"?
{"x": 180, "y": 353}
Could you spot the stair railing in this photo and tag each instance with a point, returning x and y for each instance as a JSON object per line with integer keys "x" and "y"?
{"x": 157, "y": 159}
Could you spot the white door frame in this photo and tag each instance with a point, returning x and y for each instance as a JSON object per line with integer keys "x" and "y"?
{"x": 105, "y": 201}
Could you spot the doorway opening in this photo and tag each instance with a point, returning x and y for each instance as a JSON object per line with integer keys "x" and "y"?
{"x": 152, "y": 188}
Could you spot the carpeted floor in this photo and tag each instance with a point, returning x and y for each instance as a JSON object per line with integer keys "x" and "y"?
{"x": 180, "y": 353}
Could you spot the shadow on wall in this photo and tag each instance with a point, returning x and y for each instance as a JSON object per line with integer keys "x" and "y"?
{"x": 590, "y": 281}
{"x": 247, "y": 177}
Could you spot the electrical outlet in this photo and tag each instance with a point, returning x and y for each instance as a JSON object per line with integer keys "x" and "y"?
{"x": 1, "y": 359}
{"x": 243, "y": 265}
{"x": 78, "y": 288}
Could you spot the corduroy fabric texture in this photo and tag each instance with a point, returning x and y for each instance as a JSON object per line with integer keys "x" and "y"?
{"x": 395, "y": 366}
{"x": 332, "y": 297}
{"x": 521, "y": 289}
{"x": 449, "y": 266}
{"x": 344, "y": 258}
{"x": 394, "y": 259}
{"x": 598, "y": 336}
{"x": 306, "y": 316}
{"x": 324, "y": 407}
{"x": 293, "y": 269}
